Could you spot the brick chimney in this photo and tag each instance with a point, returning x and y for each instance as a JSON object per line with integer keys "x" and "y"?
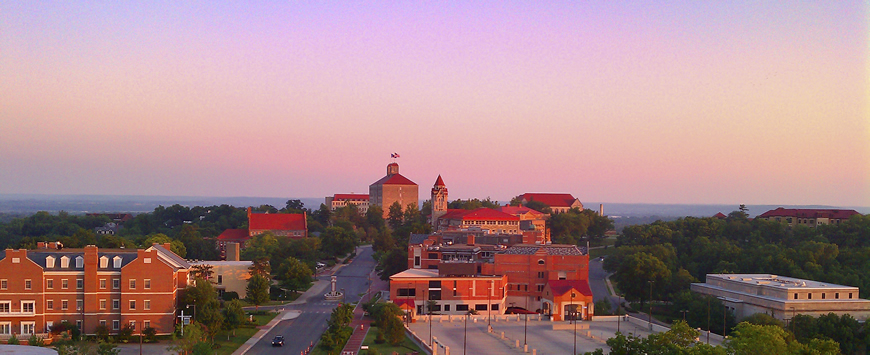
{"x": 470, "y": 239}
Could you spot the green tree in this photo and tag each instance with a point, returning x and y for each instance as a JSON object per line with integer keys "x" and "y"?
{"x": 296, "y": 275}
{"x": 199, "y": 294}
{"x": 234, "y": 316}
{"x": 211, "y": 317}
{"x": 257, "y": 291}
{"x": 634, "y": 272}
{"x": 394, "y": 262}
{"x": 176, "y": 246}
{"x": 395, "y": 217}
{"x": 757, "y": 339}
{"x": 260, "y": 246}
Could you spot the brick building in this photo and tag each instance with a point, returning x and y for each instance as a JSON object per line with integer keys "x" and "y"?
{"x": 289, "y": 225}
{"x": 89, "y": 287}
{"x": 449, "y": 294}
{"x": 393, "y": 188}
{"x": 487, "y": 219}
{"x": 558, "y": 202}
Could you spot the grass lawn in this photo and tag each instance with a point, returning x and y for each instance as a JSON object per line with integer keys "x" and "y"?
{"x": 242, "y": 335}
{"x": 405, "y": 347}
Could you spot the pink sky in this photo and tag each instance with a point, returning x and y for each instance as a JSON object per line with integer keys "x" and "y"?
{"x": 690, "y": 102}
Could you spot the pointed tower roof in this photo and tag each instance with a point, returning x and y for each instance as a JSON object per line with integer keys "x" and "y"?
{"x": 439, "y": 182}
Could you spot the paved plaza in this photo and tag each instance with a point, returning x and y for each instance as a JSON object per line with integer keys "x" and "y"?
{"x": 539, "y": 335}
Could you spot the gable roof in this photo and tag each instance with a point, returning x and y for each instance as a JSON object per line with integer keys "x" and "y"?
{"x": 276, "y": 221}
{"x": 720, "y": 215}
{"x": 552, "y": 200}
{"x": 169, "y": 257}
{"x": 234, "y": 234}
{"x": 809, "y": 213}
{"x": 561, "y": 287}
{"x": 518, "y": 210}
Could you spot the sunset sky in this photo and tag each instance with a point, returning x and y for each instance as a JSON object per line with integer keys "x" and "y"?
{"x": 757, "y": 102}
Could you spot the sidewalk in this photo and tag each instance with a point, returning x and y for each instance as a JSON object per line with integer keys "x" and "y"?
{"x": 360, "y": 323}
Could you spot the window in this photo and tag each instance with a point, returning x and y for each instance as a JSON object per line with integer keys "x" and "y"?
{"x": 461, "y": 307}
{"x": 116, "y": 324}
{"x": 6, "y": 328}
{"x": 49, "y": 261}
{"x": 5, "y": 306}
{"x": 116, "y": 304}
{"x": 433, "y": 255}
{"x": 147, "y": 305}
{"x": 80, "y": 284}
{"x": 64, "y": 305}
{"x": 435, "y": 295}
{"x": 64, "y": 284}
{"x": 80, "y": 304}
{"x": 795, "y": 296}
{"x": 64, "y": 261}
{"x": 27, "y": 328}
{"x": 79, "y": 324}
{"x": 540, "y": 274}
{"x": 823, "y": 296}
{"x": 148, "y": 283}
{"x": 809, "y": 296}
{"x": 133, "y": 324}
{"x": 103, "y": 284}
{"x": 28, "y": 306}
{"x": 102, "y": 304}
{"x": 48, "y": 325}
{"x": 49, "y": 304}
{"x": 3, "y": 284}
{"x": 837, "y": 295}
{"x": 220, "y": 281}
{"x": 540, "y": 288}
{"x": 416, "y": 261}
{"x": 446, "y": 308}
{"x": 132, "y": 305}
{"x": 147, "y": 324}
{"x": 480, "y": 307}
{"x": 27, "y": 284}
{"x": 132, "y": 284}
{"x": 116, "y": 283}
{"x": 104, "y": 262}
{"x": 541, "y": 262}
{"x": 49, "y": 284}
{"x": 102, "y": 322}
{"x": 80, "y": 262}
{"x": 117, "y": 261}
{"x": 436, "y": 308}
{"x": 434, "y": 284}
{"x": 850, "y": 295}
{"x": 495, "y": 306}
{"x": 406, "y": 292}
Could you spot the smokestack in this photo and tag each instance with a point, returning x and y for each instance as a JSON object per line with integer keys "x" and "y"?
{"x": 232, "y": 251}
{"x": 601, "y": 210}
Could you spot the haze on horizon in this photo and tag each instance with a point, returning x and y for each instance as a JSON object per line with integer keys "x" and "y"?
{"x": 684, "y": 102}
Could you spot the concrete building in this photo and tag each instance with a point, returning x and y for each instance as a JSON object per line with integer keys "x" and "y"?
{"x": 558, "y": 202}
{"x": 229, "y": 275}
{"x": 89, "y": 287}
{"x": 393, "y": 188}
{"x": 782, "y": 297}
{"x": 807, "y": 217}
{"x": 337, "y": 201}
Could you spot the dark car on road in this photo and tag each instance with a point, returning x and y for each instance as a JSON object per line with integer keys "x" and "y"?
{"x": 278, "y": 340}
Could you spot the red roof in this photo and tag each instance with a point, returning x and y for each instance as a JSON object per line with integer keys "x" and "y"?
{"x": 439, "y": 182}
{"x": 552, "y": 200}
{"x": 234, "y": 234}
{"x": 404, "y": 302}
{"x": 395, "y": 179}
{"x": 561, "y": 287}
{"x": 482, "y": 213}
{"x": 514, "y": 210}
{"x": 276, "y": 221}
{"x": 809, "y": 213}
{"x": 339, "y": 197}
{"x": 720, "y": 215}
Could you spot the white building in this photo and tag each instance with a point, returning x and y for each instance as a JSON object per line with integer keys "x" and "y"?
{"x": 782, "y": 297}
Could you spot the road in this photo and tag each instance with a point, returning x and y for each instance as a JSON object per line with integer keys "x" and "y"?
{"x": 310, "y": 324}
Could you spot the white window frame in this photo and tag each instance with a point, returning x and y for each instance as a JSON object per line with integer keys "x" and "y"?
{"x": 28, "y": 326}
{"x": 8, "y": 306}
{"x": 5, "y": 328}
{"x": 103, "y": 284}
{"x": 104, "y": 262}
{"x": 80, "y": 262}
{"x": 4, "y": 284}
{"x": 49, "y": 284}
{"x": 132, "y": 283}
{"x": 80, "y": 282}
{"x": 116, "y": 284}
{"x": 49, "y": 304}
{"x": 28, "y": 284}
{"x": 49, "y": 261}
{"x": 48, "y": 325}
{"x": 64, "y": 305}
{"x": 146, "y": 305}
{"x": 80, "y": 304}
{"x": 116, "y": 261}
{"x": 64, "y": 261}
{"x": 64, "y": 284}
{"x": 32, "y": 304}
{"x": 146, "y": 284}
{"x": 132, "y": 305}
{"x": 116, "y": 303}
{"x": 103, "y": 304}
{"x": 116, "y": 324}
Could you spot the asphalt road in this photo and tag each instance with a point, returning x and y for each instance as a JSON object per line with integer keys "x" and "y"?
{"x": 306, "y": 329}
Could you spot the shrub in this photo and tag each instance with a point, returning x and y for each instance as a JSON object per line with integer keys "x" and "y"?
{"x": 231, "y": 295}
{"x": 34, "y": 341}
{"x": 13, "y": 340}
{"x": 150, "y": 334}
{"x": 102, "y": 332}
{"x": 125, "y": 333}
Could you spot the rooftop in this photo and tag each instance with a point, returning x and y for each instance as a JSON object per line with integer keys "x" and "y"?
{"x": 550, "y": 249}
{"x": 776, "y": 281}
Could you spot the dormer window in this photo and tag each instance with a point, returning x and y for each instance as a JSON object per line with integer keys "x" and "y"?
{"x": 64, "y": 261}
{"x": 117, "y": 261}
{"x": 104, "y": 262}
{"x": 80, "y": 261}
{"x": 49, "y": 261}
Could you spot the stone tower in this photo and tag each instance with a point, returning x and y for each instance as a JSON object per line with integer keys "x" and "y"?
{"x": 439, "y": 201}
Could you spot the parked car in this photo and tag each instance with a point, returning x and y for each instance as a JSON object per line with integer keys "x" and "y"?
{"x": 278, "y": 340}
{"x": 320, "y": 265}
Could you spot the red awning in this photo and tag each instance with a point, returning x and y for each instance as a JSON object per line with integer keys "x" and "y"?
{"x": 405, "y": 303}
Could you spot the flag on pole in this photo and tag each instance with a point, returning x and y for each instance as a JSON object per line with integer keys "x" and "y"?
{"x": 394, "y": 155}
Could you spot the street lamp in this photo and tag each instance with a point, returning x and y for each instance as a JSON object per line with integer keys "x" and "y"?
{"x": 465, "y": 339}
{"x": 574, "y": 319}
{"x": 708, "y": 320}
{"x": 650, "y": 304}
{"x": 489, "y": 305}
{"x": 684, "y": 314}
{"x": 526, "y": 321}
{"x": 618, "y": 311}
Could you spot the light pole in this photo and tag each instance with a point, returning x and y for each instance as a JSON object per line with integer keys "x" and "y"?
{"x": 465, "y": 338}
{"x": 489, "y": 305}
{"x": 724, "y": 313}
{"x": 526, "y": 321}
{"x": 618, "y": 311}
{"x": 650, "y": 304}
{"x": 574, "y": 319}
{"x": 708, "y": 320}
{"x": 684, "y": 314}
{"x": 140, "y": 337}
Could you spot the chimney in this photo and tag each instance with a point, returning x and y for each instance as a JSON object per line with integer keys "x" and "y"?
{"x": 470, "y": 239}
{"x": 41, "y": 245}
{"x": 167, "y": 246}
{"x": 232, "y": 251}
{"x": 249, "y": 214}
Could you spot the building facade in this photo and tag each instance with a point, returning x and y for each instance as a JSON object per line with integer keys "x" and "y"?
{"x": 229, "y": 275}
{"x": 486, "y": 219}
{"x": 782, "y": 297}
{"x": 393, "y": 188}
{"x": 807, "y": 217}
{"x": 439, "y": 201}
{"x": 414, "y": 289}
{"x": 337, "y": 201}
{"x": 89, "y": 287}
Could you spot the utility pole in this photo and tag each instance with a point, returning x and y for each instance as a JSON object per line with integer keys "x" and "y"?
{"x": 650, "y": 304}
